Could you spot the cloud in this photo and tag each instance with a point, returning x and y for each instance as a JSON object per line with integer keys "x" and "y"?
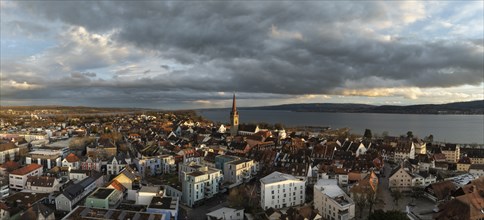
{"x": 284, "y": 50}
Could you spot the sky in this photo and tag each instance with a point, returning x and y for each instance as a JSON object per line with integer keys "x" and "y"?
{"x": 196, "y": 54}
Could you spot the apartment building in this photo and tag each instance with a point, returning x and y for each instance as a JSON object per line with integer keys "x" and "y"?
{"x": 400, "y": 179}
{"x": 332, "y": 202}
{"x": 42, "y": 184}
{"x": 18, "y": 177}
{"x": 239, "y": 171}
{"x": 201, "y": 184}
{"x": 8, "y": 151}
{"x": 280, "y": 190}
{"x": 451, "y": 152}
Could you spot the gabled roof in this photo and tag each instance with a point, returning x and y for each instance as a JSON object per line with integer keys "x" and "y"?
{"x": 7, "y": 146}
{"x": 72, "y": 158}
{"x": 41, "y": 181}
{"x": 26, "y": 169}
{"x": 36, "y": 211}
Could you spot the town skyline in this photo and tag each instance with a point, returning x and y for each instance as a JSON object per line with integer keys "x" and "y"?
{"x": 192, "y": 55}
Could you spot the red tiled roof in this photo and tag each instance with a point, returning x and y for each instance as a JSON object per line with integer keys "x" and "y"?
{"x": 26, "y": 169}
{"x": 10, "y": 165}
{"x": 71, "y": 158}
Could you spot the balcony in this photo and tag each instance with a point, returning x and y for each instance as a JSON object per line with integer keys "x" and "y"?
{"x": 343, "y": 214}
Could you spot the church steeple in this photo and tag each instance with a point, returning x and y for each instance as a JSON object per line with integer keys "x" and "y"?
{"x": 234, "y": 106}
{"x": 234, "y": 119}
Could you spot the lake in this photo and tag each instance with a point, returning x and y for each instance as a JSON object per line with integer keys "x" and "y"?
{"x": 446, "y": 128}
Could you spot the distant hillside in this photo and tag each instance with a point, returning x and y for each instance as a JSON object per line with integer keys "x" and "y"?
{"x": 472, "y": 107}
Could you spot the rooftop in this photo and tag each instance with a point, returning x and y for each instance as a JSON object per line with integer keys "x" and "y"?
{"x": 82, "y": 212}
{"x": 26, "y": 169}
{"x": 164, "y": 203}
{"x": 101, "y": 193}
{"x": 277, "y": 177}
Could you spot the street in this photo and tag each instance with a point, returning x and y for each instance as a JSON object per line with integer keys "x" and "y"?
{"x": 199, "y": 213}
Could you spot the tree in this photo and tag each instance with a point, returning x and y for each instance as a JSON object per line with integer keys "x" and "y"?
{"x": 367, "y": 134}
{"x": 430, "y": 138}
{"x": 417, "y": 191}
{"x": 409, "y": 134}
{"x": 396, "y": 195}
{"x": 236, "y": 198}
{"x": 360, "y": 202}
{"x": 385, "y": 134}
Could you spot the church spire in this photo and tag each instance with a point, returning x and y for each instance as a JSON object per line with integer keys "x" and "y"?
{"x": 234, "y": 119}
{"x": 234, "y": 106}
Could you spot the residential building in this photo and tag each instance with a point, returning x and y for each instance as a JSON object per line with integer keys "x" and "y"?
{"x": 146, "y": 193}
{"x": 332, "y": 202}
{"x": 115, "y": 165}
{"x": 74, "y": 194}
{"x": 464, "y": 203}
{"x": 280, "y": 190}
{"x": 8, "y": 151}
{"x": 104, "y": 198}
{"x": 400, "y": 179}
{"x": 463, "y": 164}
{"x": 91, "y": 164}
{"x": 476, "y": 170}
{"x": 226, "y": 213}
{"x": 83, "y": 212}
{"x": 238, "y": 171}
{"x": 168, "y": 164}
{"x": 187, "y": 168}
{"x": 440, "y": 191}
{"x": 451, "y": 152}
{"x": 220, "y": 161}
{"x": 4, "y": 211}
{"x": 8, "y": 167}
{"x": 130, "y": 179}
{"x": 476, "y": 155}
{"x": 42, "y": 184}
{"x": 200, "y": 184}
{"x": 38, "y": 211}
{"x": 149, "y": 166}
{"x": 71, "y": 161}
{"x": 167, "y": 206}
{"x": 403, "y": 150}
{"x": 18, "y": 177}
{"x": 4, "y": 189}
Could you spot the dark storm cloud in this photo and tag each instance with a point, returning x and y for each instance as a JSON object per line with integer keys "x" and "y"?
{"x": 281, "y": 48}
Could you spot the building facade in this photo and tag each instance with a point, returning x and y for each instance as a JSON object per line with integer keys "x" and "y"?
{"x": 239, "y": 171}
{"x": 18, "y": 177}
{"x": 280, "y": 190}
{"x": 332, "y": 202}
{"x": 200, "y": 184}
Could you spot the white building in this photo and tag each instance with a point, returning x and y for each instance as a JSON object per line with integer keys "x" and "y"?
{"x": 477, "y": 170}
{"x": 226, "y": 213}
{"x": 71, "y": 161}
{"x": 18, "y": 177}
{"x": 8, "y": 151}
{"x": 201, "y": 184}
{"x": 47, "y": 158}
{"x": 42, "y": 184}
{"x": 238, "y": 171}
{"x": 279, "y": 190}
{"x": 115, "y": 165}
{"x": 146, "y": 193}
{"x": 332, "y": 202}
